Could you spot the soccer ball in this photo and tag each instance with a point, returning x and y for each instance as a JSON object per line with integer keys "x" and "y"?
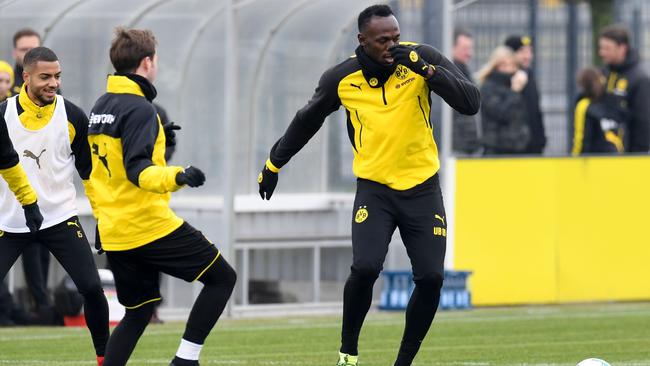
{"x": 593, "y": 362}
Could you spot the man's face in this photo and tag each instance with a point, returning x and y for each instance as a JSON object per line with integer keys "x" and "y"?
{"x": 24, "y": 44}
{"x": 524, "y": 56}
{"x": 463, "y": 49}
{"x": 611, "y": 52}
{"x": 5, "y": 84}
{"x": 43, "y": 80}
{"x": 380, "y": 34}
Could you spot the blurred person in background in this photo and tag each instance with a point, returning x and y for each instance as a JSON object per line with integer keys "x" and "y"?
{"x": 24, "y": 40}
{"x": 599, "y": 120}
{"x": 50, "y": 133}
{"x": 626, "y": 80}
{"x": 465, "y": 129}
{"x": 132, "y": 186}
{"x": 6, "y": 80}
{"x": 523, "y": 52}
{"x": 35, "y": 257}
{"x": 504, "y": 116}
{"x": 386, "y": 91}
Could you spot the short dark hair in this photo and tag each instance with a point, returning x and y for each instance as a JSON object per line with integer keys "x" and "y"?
{"x": 38, "y": 54}
{"x": 461, "y": 32}
{"x": 366, "y": 15}
{"x": 25, "y": 32}
{"x": 130, "y": 46}
{"x": 617, "y": 33}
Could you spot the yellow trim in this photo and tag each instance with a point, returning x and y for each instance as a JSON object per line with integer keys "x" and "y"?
{"x": 206, "y": 268}
{"x": 612, "y": 137}
{"x": 272, "y": 167}
{"x": 579, "y": 117}
{"x": 141, "y": 304}
{"x": 611, "y": 81}
{"x": 122, "y": 85}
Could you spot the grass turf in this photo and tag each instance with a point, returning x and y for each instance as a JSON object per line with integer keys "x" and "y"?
{"x": 539, "y": 335}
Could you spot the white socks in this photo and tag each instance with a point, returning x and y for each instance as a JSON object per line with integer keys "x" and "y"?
{"x": 188, "y": 350}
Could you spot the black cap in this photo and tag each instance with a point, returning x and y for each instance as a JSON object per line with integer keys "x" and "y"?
{"x": 515, "y": 42}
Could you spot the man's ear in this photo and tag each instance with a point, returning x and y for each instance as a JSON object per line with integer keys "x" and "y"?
{"x": 362, "y": 39}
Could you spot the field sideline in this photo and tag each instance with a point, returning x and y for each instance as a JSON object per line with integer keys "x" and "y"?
{"x": 530, "y": 336}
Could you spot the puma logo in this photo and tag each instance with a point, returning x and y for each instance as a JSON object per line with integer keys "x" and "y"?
{"x": 356, "y": 86}
{"x": 102, "y": 158}
{"x": 441, "y": 219}
{"x": 74, "y": 223}
{"x": 29, "y": 154}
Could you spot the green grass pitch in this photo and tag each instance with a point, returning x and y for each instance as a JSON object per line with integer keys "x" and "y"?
{"x": 530, "y": 336}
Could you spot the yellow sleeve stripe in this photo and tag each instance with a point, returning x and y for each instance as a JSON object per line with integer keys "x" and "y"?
{"x": 208, "y": 266}
{"x": 143, "y": 303}
{"x": 614, "y": 139}
{"x": 579, "y": 117}
{"x": 71, "y": 131}
{"x": 271, "y": 167}
{"x": 159, "y": 179}
{"x": 19, "y": 184}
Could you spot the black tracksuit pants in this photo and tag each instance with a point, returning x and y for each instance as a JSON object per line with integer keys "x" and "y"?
{"x": 420, "y": 216}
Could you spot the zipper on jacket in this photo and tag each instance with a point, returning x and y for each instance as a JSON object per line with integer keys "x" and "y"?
{"x": 423, "y": 114}
{"x": 383, "y": 94}
{"x": 360, "y": 129}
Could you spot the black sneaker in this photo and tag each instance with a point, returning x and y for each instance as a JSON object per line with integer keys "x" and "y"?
{"x": 181, "y": 362}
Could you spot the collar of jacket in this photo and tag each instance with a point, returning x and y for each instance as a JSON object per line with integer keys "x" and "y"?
{"x": 372, "y": 69}
{"x": 500, "y": 78}
{"x": 631, "y": 60}
{"x": 33, "y": 116}
{"x": 131, "y": 84}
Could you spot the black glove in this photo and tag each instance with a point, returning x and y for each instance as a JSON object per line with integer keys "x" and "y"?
{"x": 33, "y": 217}
{"x": 170, "y": 135}
{"x": 98, "y": 241}
{"x": 267, "y": 181}
{"x": 191, "y": 176}
{"x": 409, "y": 57}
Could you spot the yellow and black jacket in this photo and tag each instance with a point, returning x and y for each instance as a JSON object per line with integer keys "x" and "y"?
{"x": 388, "y": 117}
{"x": 34, "y": 117}
{"x": 130, "y": 177}
{"x": 10, "y": 167}
{"x": 598, "y": 126}
{"x": 631, "y": 85}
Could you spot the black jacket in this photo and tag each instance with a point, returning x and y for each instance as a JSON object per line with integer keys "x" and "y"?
{"x": 629, "y": 82}
{"x": 503, "y": 117}
{"x": 530, "y": 93}
{"x": 598, "y": 126}
{"x": 464, "y": 128}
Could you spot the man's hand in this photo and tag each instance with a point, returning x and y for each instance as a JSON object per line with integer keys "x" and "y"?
{"x": 409, "y": 57}
{"x": 33, "y": 217}
{"x": 267, "y": 181}
{"x": 191, "y": 176}
{"x": 170, "y": 134}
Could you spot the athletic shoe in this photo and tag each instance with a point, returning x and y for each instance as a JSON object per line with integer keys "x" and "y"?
{"x": 181, "y": 362}
{"x": 100, "y": 360}
{"x": 347, "y": 360}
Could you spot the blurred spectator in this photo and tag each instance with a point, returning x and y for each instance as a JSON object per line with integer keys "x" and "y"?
{"x": 523, "y": 51}
{"x": 6, "y": 80}
{"x": 465, "y": 129}
{"x": 36, "y": 258}
{"x": 503, "y": 108}
{"x": 24, "y": 40}
{"x": 626, "y": 80}
{"x": 598, "y": 118}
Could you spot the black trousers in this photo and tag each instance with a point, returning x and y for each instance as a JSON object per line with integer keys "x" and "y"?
{"x": 36, "y": 266}
{"x": 420, "y": 216}
{"x": 68, "y": 243}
